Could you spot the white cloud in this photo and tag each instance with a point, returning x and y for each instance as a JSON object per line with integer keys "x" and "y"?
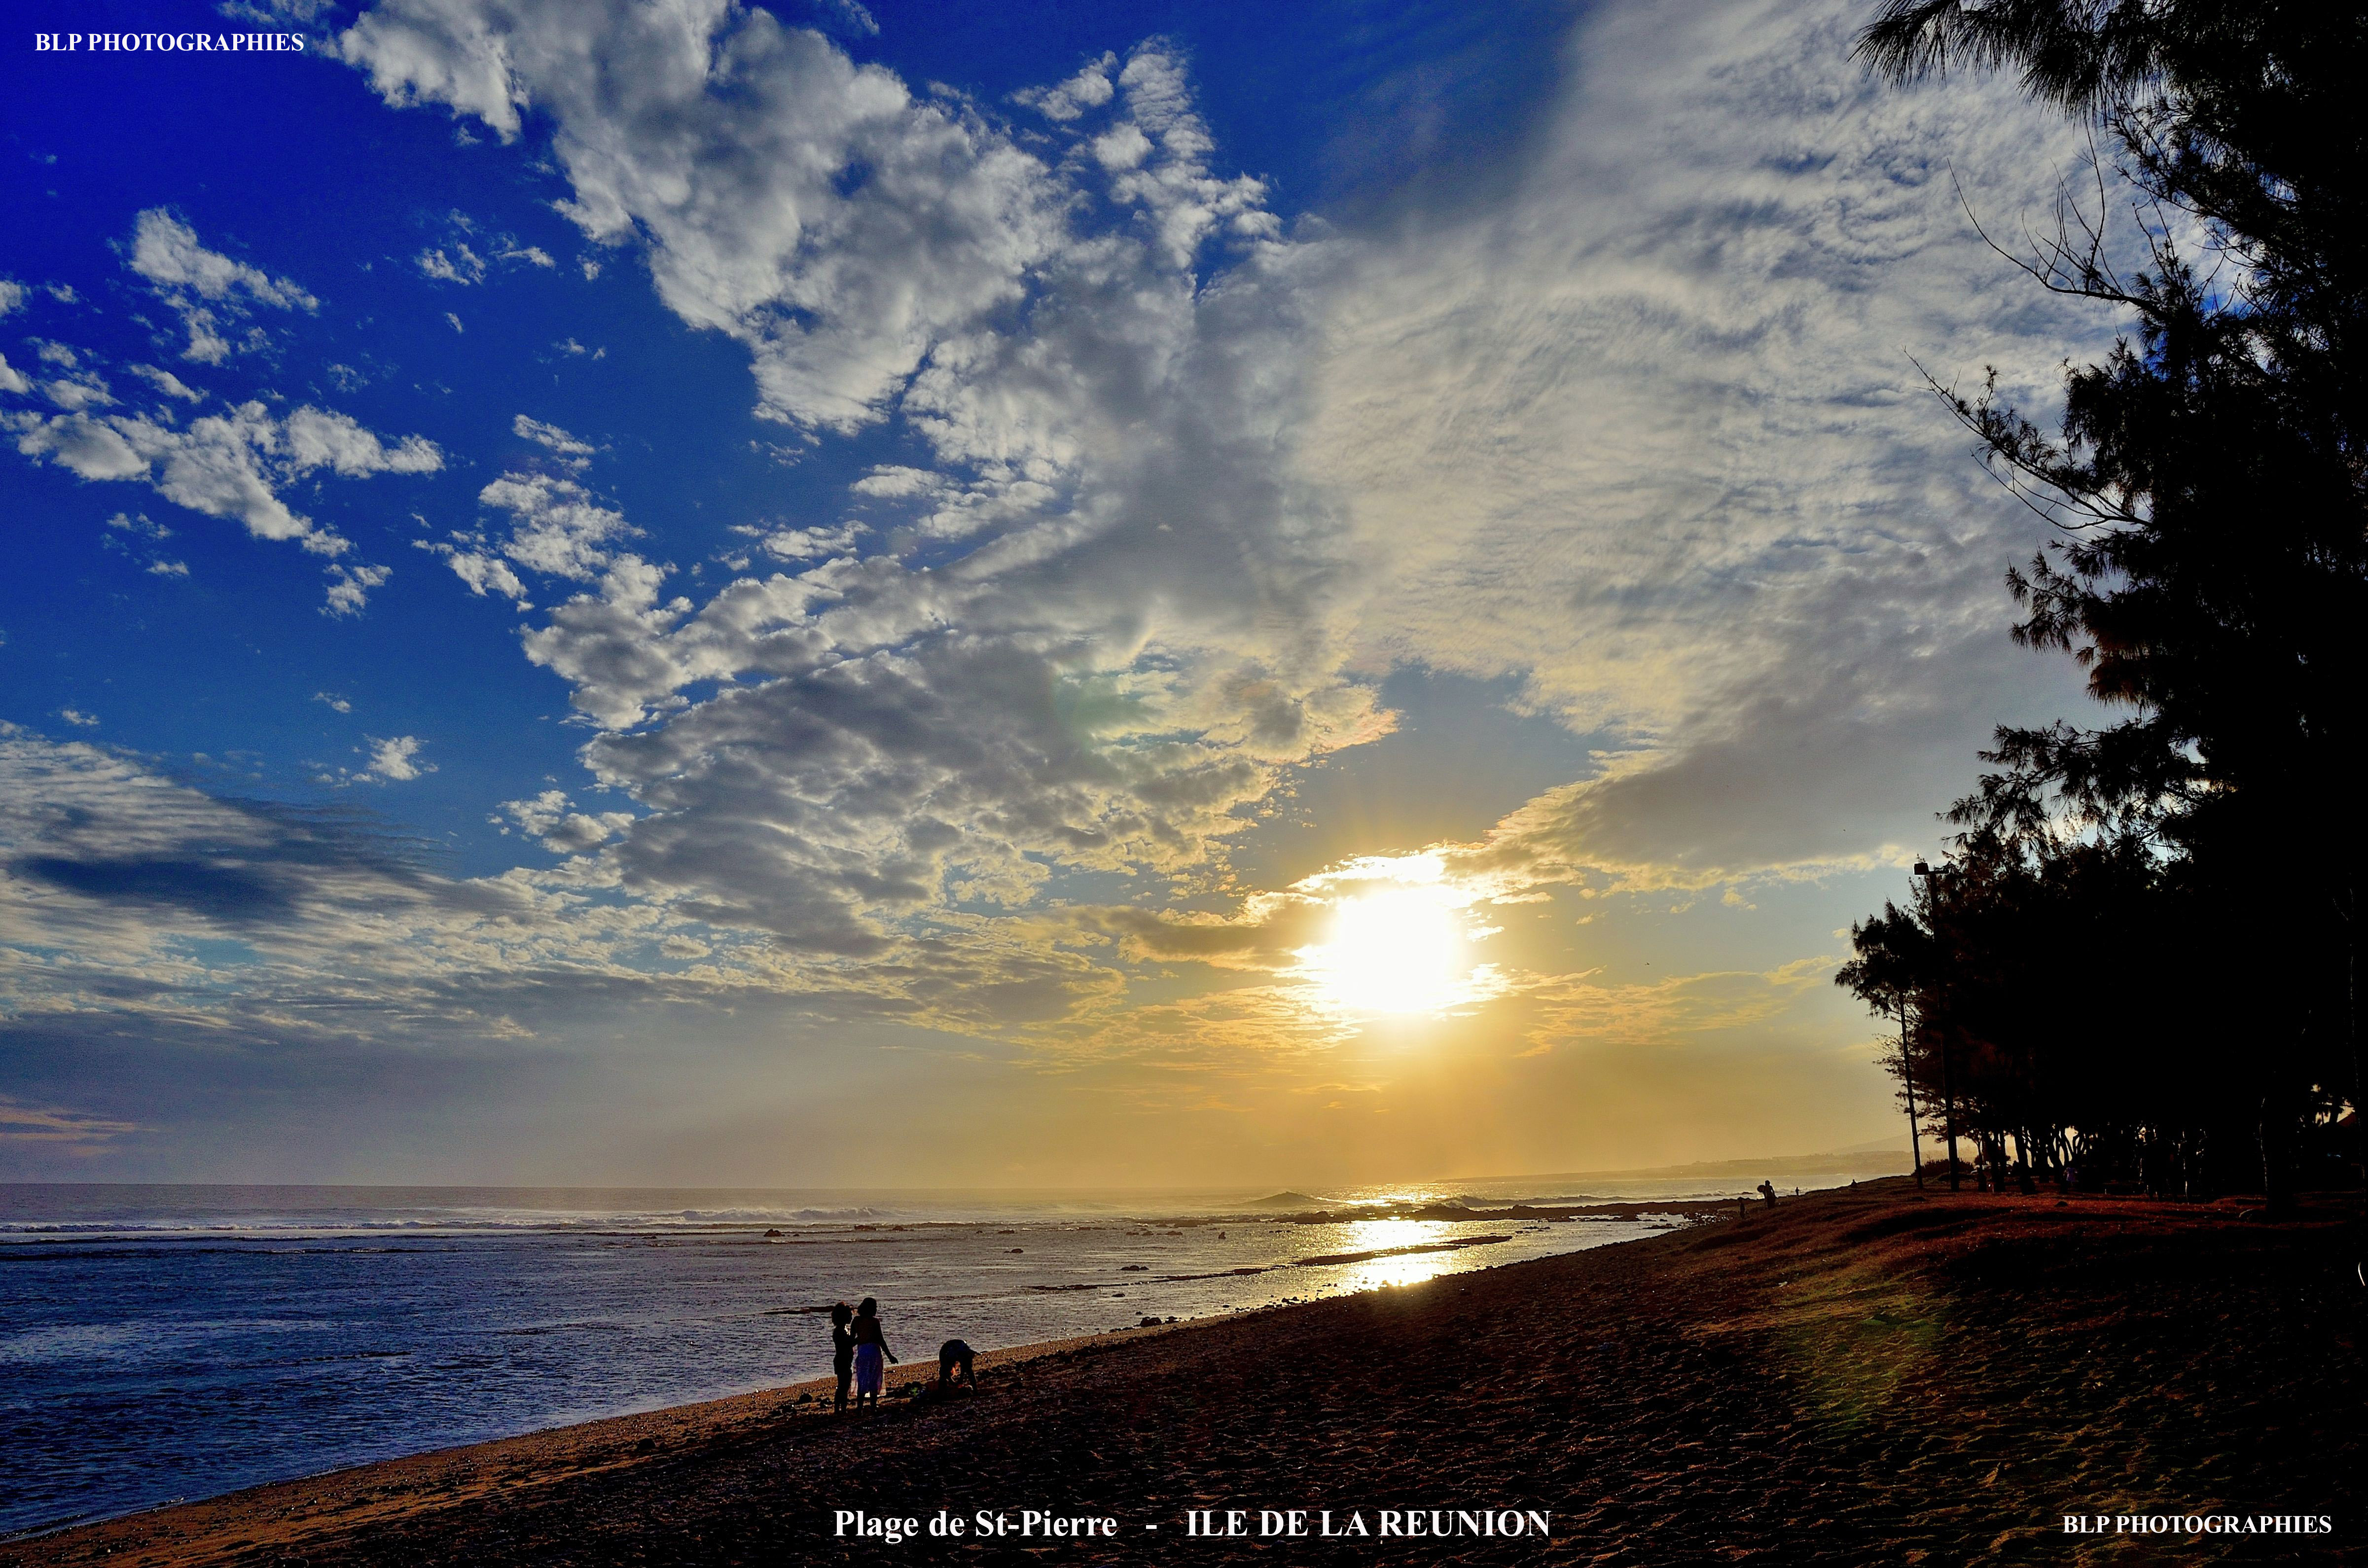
{"x": 232, "y": 465}
{"x": 1089, "y": 88}
{"x": 484, "y": 572}
{"x": 721, "y": 141}
{"x": 77, "y": 718}
{"x": 462, "y": 267}
{"x": 93, "y": 449}
{"x": 534, "y": 256}
{"x": 318, "y": 439}
{"x": 1123, "y": 147}
{"x": 397, "y": 758}
{"x": 334, "y": 701}
{"x": 1160, "y": 155}
{"x": 11, "y": 378}
{"x": 349, "y": 589}
{"x": 167, "y": 252}
{"x": 86, "y": 389}
{"x": 551, "y": 437}
{"x": 183, "y": 273}
{"x": 227, "y": 465}
{"x": 804, "y": 545}
{"x": 556, "y": 525}
{"x": 454, "y": 322}
{"x": 168, "y": 383}
{"x": 140, "y": 526}
{"x": 547, "y": 817}
{"x": 12, "y": 296}
{"x": 892, "y": 482}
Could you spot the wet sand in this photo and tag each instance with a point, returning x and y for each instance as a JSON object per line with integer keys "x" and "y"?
{"x": 1867, "y": 1375}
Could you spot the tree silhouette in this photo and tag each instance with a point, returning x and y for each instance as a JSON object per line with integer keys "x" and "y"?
{"x": 2213, "y": 578}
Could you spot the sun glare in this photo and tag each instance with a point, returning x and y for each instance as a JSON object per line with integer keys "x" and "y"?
{"x": 1400, "y": 949}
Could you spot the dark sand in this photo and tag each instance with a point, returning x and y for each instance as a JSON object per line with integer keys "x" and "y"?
{"x": 1861, "y": 1375}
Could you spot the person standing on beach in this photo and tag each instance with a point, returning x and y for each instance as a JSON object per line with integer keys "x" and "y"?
{"x": 842, "y": 1352}
{"x": 870, "y": 1346}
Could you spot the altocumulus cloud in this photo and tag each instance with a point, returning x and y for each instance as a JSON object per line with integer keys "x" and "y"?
{"x": 209, "y": 290}
{"x": 129, "y": 895}
{"x": 1648, "y": 437}
{"x": 1645, "y": 435}
{"x": 232, "y": 464}
{"x": 1123, "y": 620}
{"x": 1180, "y": 489}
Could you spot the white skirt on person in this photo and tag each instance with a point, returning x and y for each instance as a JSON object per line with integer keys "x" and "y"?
{"x": 870, "y": 1368}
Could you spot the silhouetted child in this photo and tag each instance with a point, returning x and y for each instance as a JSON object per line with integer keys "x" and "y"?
{"x": 842, "y": 1352}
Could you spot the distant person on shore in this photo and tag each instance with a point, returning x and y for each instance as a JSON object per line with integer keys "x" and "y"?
{"x": 1768, "y": 1193}
{"x": 842, "y": 1351}
{"x": 870, "y": 1347}
{"x": 954, "y": 1368}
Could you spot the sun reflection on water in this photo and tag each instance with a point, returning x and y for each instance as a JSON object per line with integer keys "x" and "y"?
{"x": 1365, "y": 1235}
{"x": 1410, "y": 1269}
{"x": 1379, "y": 1235}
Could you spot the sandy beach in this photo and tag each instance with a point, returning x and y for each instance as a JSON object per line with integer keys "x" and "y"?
{"x": 1865, "y": 1375}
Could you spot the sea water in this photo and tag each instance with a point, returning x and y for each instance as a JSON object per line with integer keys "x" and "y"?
{"x": 160, "y": 1343}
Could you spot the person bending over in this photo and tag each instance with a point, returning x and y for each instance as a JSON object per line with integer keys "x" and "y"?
{"x": 955, "y": 1357}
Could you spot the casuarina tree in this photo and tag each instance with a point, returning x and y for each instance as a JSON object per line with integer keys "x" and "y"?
{"x": 2209, "y": 481}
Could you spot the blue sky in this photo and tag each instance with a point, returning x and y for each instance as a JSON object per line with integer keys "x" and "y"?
{"x": 1057, "y": 593}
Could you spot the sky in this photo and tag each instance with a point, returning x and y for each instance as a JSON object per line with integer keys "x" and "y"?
{"x": 1059, "y": 594}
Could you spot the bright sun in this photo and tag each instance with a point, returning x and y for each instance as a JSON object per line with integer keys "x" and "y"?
{"x": 1397, "y": 950}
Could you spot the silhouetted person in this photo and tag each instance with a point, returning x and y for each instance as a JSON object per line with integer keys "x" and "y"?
{"x": 1768, "y": 1193}
{"x": 870, "y": 1347}
{"x": 842, "y": 1352}
{"x": 954, "y": 1367}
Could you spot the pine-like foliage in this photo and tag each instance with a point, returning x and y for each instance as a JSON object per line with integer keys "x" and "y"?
{"x": 2212, "y": 579}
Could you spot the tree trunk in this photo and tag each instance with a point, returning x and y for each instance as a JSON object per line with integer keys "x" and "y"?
{"x": 1908, "y": 1077}
{"x": 1949, "y": 1112}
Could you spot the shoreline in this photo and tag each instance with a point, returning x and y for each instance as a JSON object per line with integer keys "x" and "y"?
{"x": 578, "y": 1445}
{"x": 1928, "y": 1375}
{"x": 1280, "y": 1280}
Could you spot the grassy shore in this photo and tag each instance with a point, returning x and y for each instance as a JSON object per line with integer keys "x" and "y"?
{"x": 1867, "y": 1375}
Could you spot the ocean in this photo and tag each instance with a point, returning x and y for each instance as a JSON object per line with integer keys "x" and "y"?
{"x": 160, "y": 1343}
